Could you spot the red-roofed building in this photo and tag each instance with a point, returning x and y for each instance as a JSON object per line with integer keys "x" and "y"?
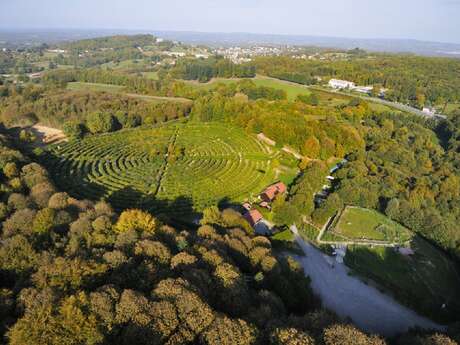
{"x": 271, "y": 192}
{"x": 253, "y": 217}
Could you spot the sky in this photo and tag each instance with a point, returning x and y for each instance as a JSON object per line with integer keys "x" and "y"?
{"x": 433, "y": 20}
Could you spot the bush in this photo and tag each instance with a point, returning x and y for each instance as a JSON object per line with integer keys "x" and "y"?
{"x": 74, "y": 130}
{"x": 99, "y": 122}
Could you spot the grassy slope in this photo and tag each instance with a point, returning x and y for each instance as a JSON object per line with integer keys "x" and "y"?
{"x": 358, "y": 223}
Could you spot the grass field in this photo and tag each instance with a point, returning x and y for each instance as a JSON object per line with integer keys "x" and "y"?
{"x": 424, "y": 281}
{"x": 174, "y": 169}
{"x": 94, "y": 87}
{"x": 364, "y": 224}
{"x": 292, "y": 90}
{"x": 79, "y": 86}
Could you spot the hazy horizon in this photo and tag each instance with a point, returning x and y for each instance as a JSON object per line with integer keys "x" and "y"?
{"x": 426, "y": 20}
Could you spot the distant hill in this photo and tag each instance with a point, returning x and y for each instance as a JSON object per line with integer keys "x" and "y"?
{"x": 380, "y": 45}
{"x": 12, "y": 38}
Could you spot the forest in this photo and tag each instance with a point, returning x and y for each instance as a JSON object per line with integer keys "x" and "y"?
{"x": 78, "y": 271}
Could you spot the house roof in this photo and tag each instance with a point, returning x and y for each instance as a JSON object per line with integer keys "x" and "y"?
{"x": 275, "y": 189}
{"x": 253, "y": 216}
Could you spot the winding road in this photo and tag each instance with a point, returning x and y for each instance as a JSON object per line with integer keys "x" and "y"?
{"x": 348, "y": 296}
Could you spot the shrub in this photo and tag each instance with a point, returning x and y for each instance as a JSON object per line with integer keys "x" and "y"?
{"x": 99, "y": 122}
{"x": 74, "y": 130}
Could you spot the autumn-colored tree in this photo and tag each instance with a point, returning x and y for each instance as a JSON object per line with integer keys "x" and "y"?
{"x": 138, "y": 220}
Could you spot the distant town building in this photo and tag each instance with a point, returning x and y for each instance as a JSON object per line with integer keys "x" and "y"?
{"x": 341, "y": 84}
{"x": 159, "y": 40}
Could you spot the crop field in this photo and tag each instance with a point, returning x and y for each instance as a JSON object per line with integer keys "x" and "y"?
{"x": 356, "y": 223}
{"x": 174, "y": 169}
{"x": 428, "y": 276}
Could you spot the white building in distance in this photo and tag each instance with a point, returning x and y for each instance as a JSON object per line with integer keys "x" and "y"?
{"x": 341, "y": 84}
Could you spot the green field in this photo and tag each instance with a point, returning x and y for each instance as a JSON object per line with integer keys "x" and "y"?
{"x": 292, "y": 90}
{"x": 94, "y": 87}
{"x": 428, "y": 276}
{"x": 363, "y": 224}
{"x": 79, "y": 86}
{"x": 175, "y": 169}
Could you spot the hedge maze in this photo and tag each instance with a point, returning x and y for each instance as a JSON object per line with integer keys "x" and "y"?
{"x": 174, "y": 169}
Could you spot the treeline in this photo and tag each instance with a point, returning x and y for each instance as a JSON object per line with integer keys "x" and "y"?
{"x": 109, "y": 42}
{"x": 410, "y": 79}
{"x": 24, "y": 107}
{"x": 313, "y": 131}
{"x": 204, "y": 70}
{"x": 75, "y": 272}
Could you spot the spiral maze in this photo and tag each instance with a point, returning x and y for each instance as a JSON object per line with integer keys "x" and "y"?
{"x": 174, "y": 169}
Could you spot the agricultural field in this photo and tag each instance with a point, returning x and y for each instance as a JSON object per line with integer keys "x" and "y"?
{"x": 358, "y": 224}
{"x": 176, "y": 169}
{"x": 428, "y": 276}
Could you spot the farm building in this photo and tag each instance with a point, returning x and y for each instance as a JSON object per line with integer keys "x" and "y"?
{"x": 271, "y": 192}
{"x": 341, "y": 84}
{"x": 253, "y": 217}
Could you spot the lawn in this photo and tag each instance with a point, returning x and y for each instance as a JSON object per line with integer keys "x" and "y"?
{"x": 424, "y": 281}
{"x": 94, "y": 87}
{"x": 364, "y": 224}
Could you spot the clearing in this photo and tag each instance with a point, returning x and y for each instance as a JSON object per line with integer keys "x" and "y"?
{"x": 359, "y": 224}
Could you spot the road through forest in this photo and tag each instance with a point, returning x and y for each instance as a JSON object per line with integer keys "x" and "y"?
{"x": 348, "y": 296}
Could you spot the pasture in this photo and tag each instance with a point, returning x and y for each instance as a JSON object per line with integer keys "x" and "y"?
{"x": 359, "y": 224}
{"x": 176, "y": 169}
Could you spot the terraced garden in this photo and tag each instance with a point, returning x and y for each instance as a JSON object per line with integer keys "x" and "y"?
{"x": 176, "y": 169}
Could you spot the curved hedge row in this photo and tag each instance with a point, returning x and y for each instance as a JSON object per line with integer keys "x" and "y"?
{"x": 172, "y": 169}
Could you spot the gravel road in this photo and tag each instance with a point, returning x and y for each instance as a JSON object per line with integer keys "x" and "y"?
{"x": 348, "y": 296}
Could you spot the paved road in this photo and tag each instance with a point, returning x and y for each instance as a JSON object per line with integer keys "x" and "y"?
{"x": 348, "y": 296}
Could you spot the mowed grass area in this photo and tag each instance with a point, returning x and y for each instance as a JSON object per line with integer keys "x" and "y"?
{"x": 175, "y": 169}
{"x": 292, "y": 90}
{"x": 424, "y": 281}
{"x": 94, "y": 87}
{"x": 80, "y": 86}
{"x": 363, "y": 224}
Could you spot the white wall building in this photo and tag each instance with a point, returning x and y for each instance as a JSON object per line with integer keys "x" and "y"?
{"x": 341, "y": 84}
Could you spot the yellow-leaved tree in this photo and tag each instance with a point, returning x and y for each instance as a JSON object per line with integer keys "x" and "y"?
{"x": 136, "y": 220}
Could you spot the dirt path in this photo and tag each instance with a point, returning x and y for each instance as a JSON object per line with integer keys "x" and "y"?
{"x": 348, "y": 296}
{"x": 47, "y": 135}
